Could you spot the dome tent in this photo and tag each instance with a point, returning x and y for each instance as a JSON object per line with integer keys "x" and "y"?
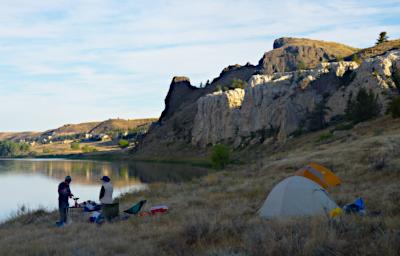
{"x": 297, "y": 196}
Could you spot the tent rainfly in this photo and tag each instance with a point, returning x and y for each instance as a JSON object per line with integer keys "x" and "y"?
{"x": 319, "y": 174}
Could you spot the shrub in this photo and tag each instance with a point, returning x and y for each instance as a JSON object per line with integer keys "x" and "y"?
{"x": 47, "y": 151}
{"x": 10, "y": 148}
{"x": 218, "y": 88}
{"x": 325, "y": 136}
{"x": 123, "y": 143}
{"x": 339, "y": 58}
{"x": 238, "y": 83}
{"x": 356, "y": 58}
{"x": 220, "y": 156}
{"x": 364, "y": 107}
{"x": 394, "y": 107}
{"x": 298, "y": 132}
{"x": 301, "y": 65}
{"x": 88, "y": 149}
{"x": 75, "y": 146}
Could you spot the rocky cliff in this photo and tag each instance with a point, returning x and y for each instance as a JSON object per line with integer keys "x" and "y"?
{"x": 280, "y": 92}
{"x": 287, "y": 55}
{"x": 278, "y": 104}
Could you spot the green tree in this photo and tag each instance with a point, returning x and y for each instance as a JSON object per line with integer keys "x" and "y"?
{"x": 365, "y": 106}
{"x": 316, "y": 119}
{"x": 123, "y": 143}
{"x": 10, "y": 148}
{"x": 382, "y": 38}
{"x": 221, "y": 155}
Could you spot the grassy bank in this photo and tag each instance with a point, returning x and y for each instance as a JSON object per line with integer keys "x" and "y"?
{"x": 217, "y": 214}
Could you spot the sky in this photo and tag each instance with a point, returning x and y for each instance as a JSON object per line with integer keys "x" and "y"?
{"x": 75, "y": 61}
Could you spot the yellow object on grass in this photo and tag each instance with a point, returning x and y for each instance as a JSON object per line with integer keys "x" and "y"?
{"x": 335, "y": 212}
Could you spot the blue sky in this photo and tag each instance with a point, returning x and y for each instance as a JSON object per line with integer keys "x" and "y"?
{"x": 74, "y": 61}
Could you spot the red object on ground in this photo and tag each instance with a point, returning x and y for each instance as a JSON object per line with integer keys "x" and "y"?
{"x": 158, "y": 209}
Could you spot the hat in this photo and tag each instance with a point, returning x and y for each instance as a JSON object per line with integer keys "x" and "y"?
{"x": 105, "y": 179}
{"x": 68, "y": 178}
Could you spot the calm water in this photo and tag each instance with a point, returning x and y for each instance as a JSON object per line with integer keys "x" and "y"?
{"x": 33, "y": 182}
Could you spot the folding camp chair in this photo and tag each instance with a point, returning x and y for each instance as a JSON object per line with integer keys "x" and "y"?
{"x": 135, "y": 209}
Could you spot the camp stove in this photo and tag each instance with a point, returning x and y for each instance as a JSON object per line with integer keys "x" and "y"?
{"x": 76, "y": 205}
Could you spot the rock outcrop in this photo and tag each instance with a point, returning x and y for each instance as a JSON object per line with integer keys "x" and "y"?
{"x": 290, "y": 54}
{"x": 278, "y": 104}
{"x": 180, "y": 92}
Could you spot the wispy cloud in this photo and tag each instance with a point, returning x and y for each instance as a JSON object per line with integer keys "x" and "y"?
{"x": 72, "y": 61}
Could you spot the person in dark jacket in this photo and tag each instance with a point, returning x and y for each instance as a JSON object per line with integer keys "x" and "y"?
{"x": 64, "y": 193}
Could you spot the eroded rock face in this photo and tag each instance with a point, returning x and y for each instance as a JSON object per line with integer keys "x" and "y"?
{"x": 280, "y": 102}
{"x": 220, "y": 108}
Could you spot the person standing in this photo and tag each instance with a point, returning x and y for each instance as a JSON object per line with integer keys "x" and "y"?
{"x": 64, "y": 193}
{"x": 109, "y": 209}
{"x": 106, "y": 191}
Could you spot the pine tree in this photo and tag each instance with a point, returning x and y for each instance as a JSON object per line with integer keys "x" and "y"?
{"x": 382, "y": 38}
{"x": 363, "y": 107}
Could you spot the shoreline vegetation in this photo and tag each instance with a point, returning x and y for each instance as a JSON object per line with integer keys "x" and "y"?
{"x": 217, "y": 213}
{"x": 119, "y": 156}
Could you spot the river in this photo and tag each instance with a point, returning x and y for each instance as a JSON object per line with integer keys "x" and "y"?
{"x": 32, "y": 183}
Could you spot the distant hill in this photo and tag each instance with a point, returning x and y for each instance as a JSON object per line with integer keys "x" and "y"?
{"x": 17, "y": 135}
{"x": 69, "y": 129}
{"x": 119, "y": 124}
{"x": 89, "y": 127}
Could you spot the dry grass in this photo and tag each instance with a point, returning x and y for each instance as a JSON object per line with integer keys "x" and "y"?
{"x": 334, "y": 48}
{"x": 216, "y": 214}
{"x": 59, "y": 148}
{"x": 379, "y": 49}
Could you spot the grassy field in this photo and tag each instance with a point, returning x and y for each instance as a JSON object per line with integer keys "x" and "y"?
{"x": 61, "y": 149}
{"x": 217, "y": 214}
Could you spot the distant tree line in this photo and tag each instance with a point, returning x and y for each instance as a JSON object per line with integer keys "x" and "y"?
{"x": 10, "y": 148}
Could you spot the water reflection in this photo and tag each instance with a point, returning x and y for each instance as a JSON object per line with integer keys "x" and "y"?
{"x": 89, "y": 172}
{"x": 33, "y": 182}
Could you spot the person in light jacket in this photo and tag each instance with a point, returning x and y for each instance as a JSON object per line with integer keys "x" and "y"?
{"x": 106, "y": 191}
{"x": 108, "y": 208}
